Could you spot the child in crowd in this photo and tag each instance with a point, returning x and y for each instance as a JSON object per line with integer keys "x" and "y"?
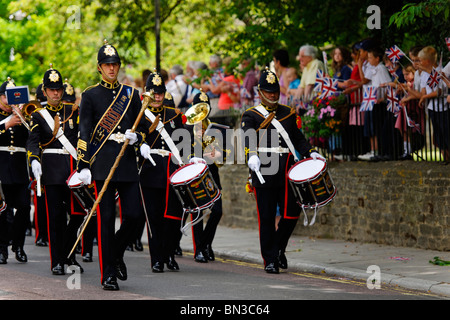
{"x": 409, "y": 110}
{"x": 374, "y": 120}
{"x": 435, "y": 102}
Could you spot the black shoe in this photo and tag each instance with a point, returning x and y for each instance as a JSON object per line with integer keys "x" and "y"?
{"x": 129, "y": 247}
{"x": 72, "y": 262}
{"x": 58, "y": 270}
{"x": 271, "y": 268}
{"x": 158, "y": 267}
{"x": 41, "y": 243}
{"x": 178, "y": 251}
{"x": 138, "y": 245}
{"x": 87, "y": 257}
{"x": 210, "y": 253}
{"x": 110, "y": 284}
{"x": 3, "y": 258}
{"x": 172, "y": 264}
{"x": 21, "y": 256}
{"x": 121, "y": 270}
{"x": 282, "y": 261}
{"x": 200, "y": 257}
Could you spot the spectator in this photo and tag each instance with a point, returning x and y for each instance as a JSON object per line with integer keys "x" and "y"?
{"x": 178, "y": 88}
{"x": 215, "y": 65}
{"x": 281, "y": 64}
{"x": 374, "y": 119}
{"x": 437, "y": 108}
{"x": 309, "y": 64}
{"x": 228, "y": 87}
{"x": 249, "y": 82}
{"x": 341, "y": 66}
{"x": 293, "y": 80}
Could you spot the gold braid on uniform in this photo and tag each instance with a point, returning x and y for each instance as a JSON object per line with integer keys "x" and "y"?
{"x": 290, "y": 114}
{"x": 55, "y": 132}
{"x": 267, "y": 121}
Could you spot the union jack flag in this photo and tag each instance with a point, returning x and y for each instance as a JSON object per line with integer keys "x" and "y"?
{"x": 370, "y": 98}
{"x": 320, "y": 78}
{"x": 394, "y": 54}
{"x": 411, "y": 123}
{"x": 434, "y": 79}
{"x": 391, "y": 70}
{"x": 393, "y": 100}
{"x": 447, "y": 41}
{"x": 329, "y": 87}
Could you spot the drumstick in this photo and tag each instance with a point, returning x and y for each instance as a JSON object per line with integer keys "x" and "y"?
{"x": 147, "y": 98}
{"x": 260, "y": 177}
{"x": 38, "y": 186}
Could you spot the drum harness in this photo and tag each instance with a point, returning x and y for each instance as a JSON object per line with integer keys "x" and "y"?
{"x": 260, "y": 108}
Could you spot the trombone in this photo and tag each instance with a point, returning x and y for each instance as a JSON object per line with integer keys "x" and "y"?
{"x": 24, "y": 112}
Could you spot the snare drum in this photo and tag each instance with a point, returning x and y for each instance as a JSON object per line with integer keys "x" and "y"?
{"x": 312, "y": 184}
{"x": 85, "y": 195}
{"x": 195, "y": 187}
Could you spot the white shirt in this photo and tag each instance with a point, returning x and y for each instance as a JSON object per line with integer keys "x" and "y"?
{"x": 436, "y": 104}
{"x": 177, "y": 88}
{"x": 378, "y": 75}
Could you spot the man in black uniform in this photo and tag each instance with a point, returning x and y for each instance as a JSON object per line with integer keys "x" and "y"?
{"x": 203, "y": 236}
{"x": 40, "y": 212}
{"x": 108, "y": 111}
{"x": 52, "y": 155}
{"x": 14, "y": 178}
{"x": 163, "y": 210}
{"x": 274, "y": 160}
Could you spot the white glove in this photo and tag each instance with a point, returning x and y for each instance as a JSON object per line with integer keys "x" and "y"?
{"x": 36, "y": 168}
{"x": 131, "y": 136}
{"x": 197, "y": 160}
{"x": 316, "y": 155}
{"x": 254, "y": 163}
{"x": 145, "y": 151}
{"x": 85, "y": 176}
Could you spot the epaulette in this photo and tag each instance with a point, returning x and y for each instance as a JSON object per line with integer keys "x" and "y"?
{"x": 90, "y": 87}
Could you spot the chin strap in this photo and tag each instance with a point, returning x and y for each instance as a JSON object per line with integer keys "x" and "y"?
{"x": 265, "y": 98}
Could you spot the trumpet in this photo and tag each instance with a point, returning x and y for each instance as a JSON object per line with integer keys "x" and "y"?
{"x": 24, "y": 111}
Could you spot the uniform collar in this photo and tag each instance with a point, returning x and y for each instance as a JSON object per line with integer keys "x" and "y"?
{"x": 110, "y": 85}
{"x": 157, "y": 109}
{"x": 270, "y": 109}
{"x": 56, "y": 108}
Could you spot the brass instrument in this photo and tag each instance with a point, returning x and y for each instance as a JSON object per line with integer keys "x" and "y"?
{"x": 197, "y": 115}
{"x": 24, "y": 112}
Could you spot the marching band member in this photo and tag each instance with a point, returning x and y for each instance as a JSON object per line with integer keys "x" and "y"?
{"x": 161, "y": 206}
{"x": 279, "y": 122}
{"x": 203, "y": 236}
{"x": 14, "y": 179}
{"x": 108, "y": 112}
{"x": 51, "y": 155}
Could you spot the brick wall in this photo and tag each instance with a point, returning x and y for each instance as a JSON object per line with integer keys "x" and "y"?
{"x": 394, "y": 203}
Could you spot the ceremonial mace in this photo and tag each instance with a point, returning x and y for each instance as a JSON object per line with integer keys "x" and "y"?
{"x": 148, "y": 97}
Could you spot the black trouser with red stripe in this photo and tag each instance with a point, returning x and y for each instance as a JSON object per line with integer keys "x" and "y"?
{"x": 112, "y": 244}
{"x": 163, "y": 232}
{"x": 272, "y": 240}
{"x": 205, "y": 236}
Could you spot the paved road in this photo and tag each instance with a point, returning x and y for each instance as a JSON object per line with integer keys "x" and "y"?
{"x": 223, "y": 280}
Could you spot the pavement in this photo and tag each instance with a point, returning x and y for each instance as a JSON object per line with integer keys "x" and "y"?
{"x": 407, "y": 268}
